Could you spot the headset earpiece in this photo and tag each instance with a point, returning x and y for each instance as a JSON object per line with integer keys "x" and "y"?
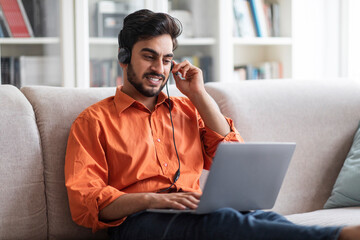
{"x": 124, "y": 55}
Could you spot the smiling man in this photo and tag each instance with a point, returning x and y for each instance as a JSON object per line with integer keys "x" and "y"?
{"x": 124, "y": 153}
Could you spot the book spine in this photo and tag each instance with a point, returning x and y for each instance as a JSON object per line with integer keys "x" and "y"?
{"x": 4, "y": 25}
{"x": 257, "y": 8}
{"x": 26, "y": 19}
{"x": 14, "y": 18}
{"x": 5, "y": 70}
{"x": 256, "y": 18}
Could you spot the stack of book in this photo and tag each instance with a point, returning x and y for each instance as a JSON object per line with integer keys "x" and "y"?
{"x": 31, "y": 70}
{"x": 266, "y": 70}
{"x": 105, "y": 73}
{"x": 256, "y": 18}
{"x": 29, "y": 18}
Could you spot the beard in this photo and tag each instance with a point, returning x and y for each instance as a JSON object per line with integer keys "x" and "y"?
{"x": 138, "y": 85}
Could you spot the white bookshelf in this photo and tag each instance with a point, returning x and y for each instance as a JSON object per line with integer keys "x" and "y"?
{"x": 212, "y": 36}
{"x": 181, "y": 41}
{"x": 29, "y": 41}
{"x": 59, "y": 47}
{"x": 263, "y": 41}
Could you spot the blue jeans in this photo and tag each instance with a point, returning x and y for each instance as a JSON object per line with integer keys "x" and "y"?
{"x": 225, "y": 223}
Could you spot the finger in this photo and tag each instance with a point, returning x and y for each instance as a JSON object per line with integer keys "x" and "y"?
{"x": 193, "y": 198}
{"x": 177, "y": 76}
{"x": 188, "y": 203}
{"x": 177, "y": 205}
{"x": 178, "y": 66}
{"x": 195, "y": 194}
{"x": 184, "y": 70}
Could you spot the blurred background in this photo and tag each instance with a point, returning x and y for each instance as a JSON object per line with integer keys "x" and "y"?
{"x": 73, "y": 43}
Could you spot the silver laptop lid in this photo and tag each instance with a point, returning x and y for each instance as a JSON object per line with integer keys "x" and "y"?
{"x": 246, "y": 176}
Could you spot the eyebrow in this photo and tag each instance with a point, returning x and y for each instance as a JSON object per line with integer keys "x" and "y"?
{"x": 155, "y": 52}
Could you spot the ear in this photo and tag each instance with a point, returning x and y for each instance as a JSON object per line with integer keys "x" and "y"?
{"x": 123, "y": 65}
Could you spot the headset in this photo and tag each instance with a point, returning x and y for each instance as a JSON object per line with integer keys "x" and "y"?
{"x": 124, "y": 56}
{"x": 177, "y": 174}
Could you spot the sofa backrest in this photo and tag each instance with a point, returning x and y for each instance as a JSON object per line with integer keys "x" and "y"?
{"x": 55, "y": 110}
{"x": 22, "y": 194}
{"x": 321, "y": 117}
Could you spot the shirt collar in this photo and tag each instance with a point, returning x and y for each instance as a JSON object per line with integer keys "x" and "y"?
{"x": 123, "y": 101}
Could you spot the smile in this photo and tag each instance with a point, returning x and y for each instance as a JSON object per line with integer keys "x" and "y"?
{"x": 154, "y": 79}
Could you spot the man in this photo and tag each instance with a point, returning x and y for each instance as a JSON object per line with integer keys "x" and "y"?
{"x": 140, "y": 150}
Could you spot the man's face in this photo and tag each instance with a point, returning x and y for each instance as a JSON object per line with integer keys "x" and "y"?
{"x": 150, "y": 65}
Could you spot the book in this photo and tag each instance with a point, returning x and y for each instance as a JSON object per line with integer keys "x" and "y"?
{"x": 265, "y": 70}
{"x": 40, "y": 70}
{"x": 5, "y": 70}
{"x": 34, "y": 10}
{"x": 240, "y": 73}
{"x": 105, "y": 73}
{"x": 10, "y": 71}
{"x": 260, "y": 21}
{"x": 244, "y": 24}
{"x": 275, "y": 20}
{"x": 43, "y": 17}
{"x": 5, "y": 30}
{"x": 16, "y": 18}
{"x": 206, "y": 67}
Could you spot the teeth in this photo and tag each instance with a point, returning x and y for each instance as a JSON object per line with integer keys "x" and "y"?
{"x": 155, "y": 79}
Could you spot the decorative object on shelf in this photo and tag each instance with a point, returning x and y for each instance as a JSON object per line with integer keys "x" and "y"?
{"x": 109, "y": 17}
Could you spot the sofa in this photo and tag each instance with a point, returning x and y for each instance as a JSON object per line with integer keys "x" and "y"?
{"x": 321, "y": 117}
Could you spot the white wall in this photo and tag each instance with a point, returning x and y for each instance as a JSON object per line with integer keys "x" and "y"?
{"x": 351, "y": 39}
{"x": 316, "y": 39}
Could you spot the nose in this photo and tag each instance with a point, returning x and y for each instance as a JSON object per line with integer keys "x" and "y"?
{"x": 158, "y": 66}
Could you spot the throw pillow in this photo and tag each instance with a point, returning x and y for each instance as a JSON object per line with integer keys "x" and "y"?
{"x": 346, "y": 191}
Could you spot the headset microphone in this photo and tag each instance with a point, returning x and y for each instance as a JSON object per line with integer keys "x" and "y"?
{"x": 177, "y": 174}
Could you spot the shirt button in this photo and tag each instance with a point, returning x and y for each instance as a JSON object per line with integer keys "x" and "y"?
{"x": 158, "y": 139}
{"x": 165, "y": 164}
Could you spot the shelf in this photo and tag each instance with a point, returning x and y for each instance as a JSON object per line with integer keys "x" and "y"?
{"x": 181, "y": 41}
{"x": 196, "y": 41}
{"x": 263, "y": 41}
{"x": 20, "y": 41}
{"x": 103, "y": 41}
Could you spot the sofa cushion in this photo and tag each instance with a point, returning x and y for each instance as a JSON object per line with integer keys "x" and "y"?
{"x": 346, "y": 191}
{"x": 22, "y": 193}
{"x": 328, "y": 217}
{"x": 55, "y": 110}
{"x": 321, "y": 117}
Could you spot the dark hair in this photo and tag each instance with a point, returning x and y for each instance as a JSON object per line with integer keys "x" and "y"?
{"x": 145, "y": 24}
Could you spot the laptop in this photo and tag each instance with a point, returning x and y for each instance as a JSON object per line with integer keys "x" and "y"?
{"x": 243, "y": 176}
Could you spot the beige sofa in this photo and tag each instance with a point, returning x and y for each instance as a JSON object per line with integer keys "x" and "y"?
{"x": 320, "y": 117}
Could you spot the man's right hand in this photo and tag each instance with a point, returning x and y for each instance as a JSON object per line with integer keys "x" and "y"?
{"x": 179, "y": 200}
{"x": 130, "y": 203}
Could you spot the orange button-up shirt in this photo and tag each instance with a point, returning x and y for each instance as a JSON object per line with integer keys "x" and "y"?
{"x": 118, "y": 146}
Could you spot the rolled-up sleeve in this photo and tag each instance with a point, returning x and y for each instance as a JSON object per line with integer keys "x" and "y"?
{"x": 211, "y": 140}
{"x": 86, "y": 175}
